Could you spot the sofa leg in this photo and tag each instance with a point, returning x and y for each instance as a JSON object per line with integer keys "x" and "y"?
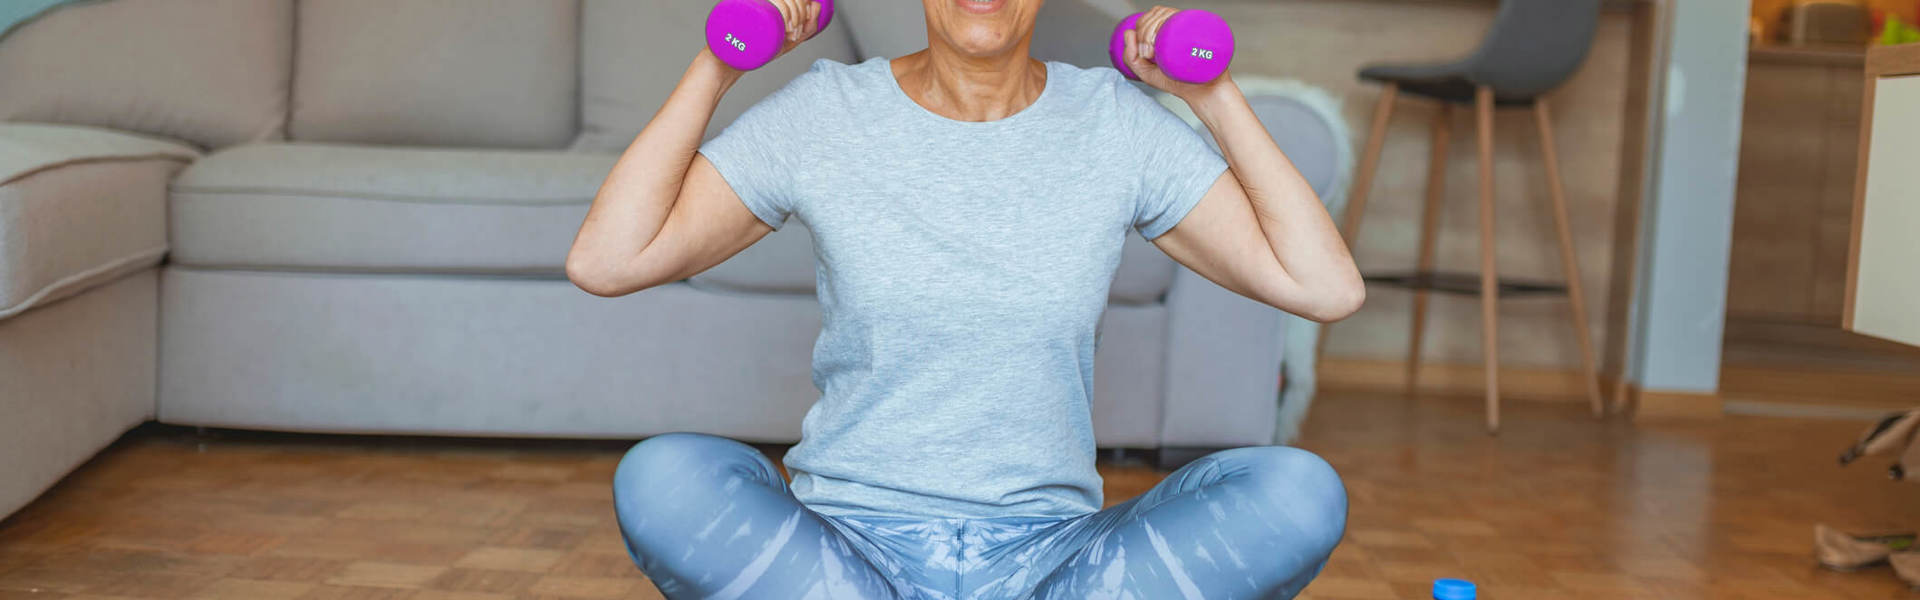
{"x": 202, "y": 437}
{"x": 1169, "y": 458}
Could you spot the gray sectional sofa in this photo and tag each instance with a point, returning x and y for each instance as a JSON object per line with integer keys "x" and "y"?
{"x": 352, "y": 215}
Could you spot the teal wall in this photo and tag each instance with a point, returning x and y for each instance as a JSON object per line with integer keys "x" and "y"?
{"x": 15, "y": 11}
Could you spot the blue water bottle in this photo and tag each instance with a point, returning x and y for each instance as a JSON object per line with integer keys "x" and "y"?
{"x": 1453, "y": 589}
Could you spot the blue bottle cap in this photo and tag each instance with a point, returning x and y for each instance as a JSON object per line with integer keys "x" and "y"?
{"x": 1453, "y": 589}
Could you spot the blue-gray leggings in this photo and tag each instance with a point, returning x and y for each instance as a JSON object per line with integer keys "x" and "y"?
{"x": 708, "y": 517}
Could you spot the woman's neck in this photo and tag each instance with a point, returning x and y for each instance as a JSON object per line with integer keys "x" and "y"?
{"x": 971, "y": 88}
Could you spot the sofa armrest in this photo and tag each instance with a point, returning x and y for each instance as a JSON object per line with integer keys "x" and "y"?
{"x": 78, "y": 207}
{"x": 1223, "y": 366}
{"x": 1306, "y": 122}
{"x": 29, "y": 148}
{"x": 212, "y": 72}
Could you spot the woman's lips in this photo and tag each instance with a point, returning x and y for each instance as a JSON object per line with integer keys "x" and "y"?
{"x": 980, "y": 8}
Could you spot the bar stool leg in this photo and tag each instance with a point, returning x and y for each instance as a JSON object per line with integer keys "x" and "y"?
{"x": 1620, "y": 392}
{"x": 1570, "y": 262}
{"x": 1362, "y": 184}
{"x": 1369, "y": 162}
{"x": 1429, "y": 222}
{"x": 1489, "y": 279}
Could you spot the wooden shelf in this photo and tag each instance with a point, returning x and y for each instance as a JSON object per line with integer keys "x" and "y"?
{"x": 1811, "y": 54}
{"x": 1900, "y": 60}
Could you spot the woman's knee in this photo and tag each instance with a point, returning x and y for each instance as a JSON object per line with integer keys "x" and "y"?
{"x": 678, "y": 468}
{"x": 670, "y": 458}
{"x": 1302, "y": 484}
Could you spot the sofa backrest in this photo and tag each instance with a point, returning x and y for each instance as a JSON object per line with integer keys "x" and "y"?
{"x": 463, "y": 73}
{"x": 210, "y": 72}
{"x": 579, "y": 74}
{"x": 1070, "y": 31}
{"x": 633, "y": 53}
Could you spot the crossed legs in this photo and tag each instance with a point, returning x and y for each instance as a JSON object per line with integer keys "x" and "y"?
{"x": 707, "y": 517}
{"x": 1254, "y": 523}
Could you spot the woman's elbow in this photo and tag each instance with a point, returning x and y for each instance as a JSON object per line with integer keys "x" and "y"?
{"x": 593, "y": 277}
{"x": 1340, "y": 303}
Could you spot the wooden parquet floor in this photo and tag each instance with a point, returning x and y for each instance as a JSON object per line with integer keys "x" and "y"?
{"x": 1558, "y": 506}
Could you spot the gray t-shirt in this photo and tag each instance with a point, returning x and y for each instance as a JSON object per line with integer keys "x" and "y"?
{"x": 962, "y": 269}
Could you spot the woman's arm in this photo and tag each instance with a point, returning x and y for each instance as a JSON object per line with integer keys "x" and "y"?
{"x": 1260, "y": 230}
{"x": 664, "y": 213}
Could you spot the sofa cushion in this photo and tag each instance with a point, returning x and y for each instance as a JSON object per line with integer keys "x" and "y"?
{"x": 358, "y": 208}
{"x": 375, "y": 209}
{"x": 526, "y": 357}
{"x": 213, "y": 72}
{"x": 496, "y": 73}
{"x": 633, "y": 53}
{"x": 79, "y": 207}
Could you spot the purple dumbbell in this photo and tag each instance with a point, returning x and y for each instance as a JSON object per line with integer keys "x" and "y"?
{"x": 747, "y": 34}
{"x": 1194, "y": 46}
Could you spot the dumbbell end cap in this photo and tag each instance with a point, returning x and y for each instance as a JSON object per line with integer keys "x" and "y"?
{"x": 745, "y": 34}
{"x": 826, "y": 15}
{"x": 1117, "y": 48}
{"x": 1200, "y": 52}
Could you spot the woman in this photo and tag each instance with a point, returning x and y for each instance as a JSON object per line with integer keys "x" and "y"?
{"x": 968, "y": 205}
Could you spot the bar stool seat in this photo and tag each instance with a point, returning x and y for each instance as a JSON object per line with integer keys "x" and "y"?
{"x": 1442, "y": 81}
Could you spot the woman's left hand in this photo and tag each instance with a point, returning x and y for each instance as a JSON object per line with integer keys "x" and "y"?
{"x": 1140, "y": 58}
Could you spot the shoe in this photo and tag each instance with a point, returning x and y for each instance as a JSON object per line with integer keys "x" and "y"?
{"x": 1906, "y": 565}
{"x": 1841, "y": 551}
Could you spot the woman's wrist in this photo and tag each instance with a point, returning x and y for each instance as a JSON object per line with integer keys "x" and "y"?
{"x": 1210, "y": 100}
{"x": 711, "y": 68}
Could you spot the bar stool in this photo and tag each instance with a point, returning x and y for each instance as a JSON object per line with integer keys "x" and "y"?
{"x": 1532, "y": 47}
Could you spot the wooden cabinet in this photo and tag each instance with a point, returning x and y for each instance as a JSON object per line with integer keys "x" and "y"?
{"x": 1798, "y": 155}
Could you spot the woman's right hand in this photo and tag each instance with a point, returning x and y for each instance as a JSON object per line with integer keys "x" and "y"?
{"x": 802, "y": 18}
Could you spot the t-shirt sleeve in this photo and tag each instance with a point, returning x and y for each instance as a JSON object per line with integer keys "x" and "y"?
{"x": 1174, "y": 164}
{"x": 758, "y": 153}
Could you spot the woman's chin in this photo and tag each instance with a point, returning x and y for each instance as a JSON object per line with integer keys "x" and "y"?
{"x": 981, "y": 44}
